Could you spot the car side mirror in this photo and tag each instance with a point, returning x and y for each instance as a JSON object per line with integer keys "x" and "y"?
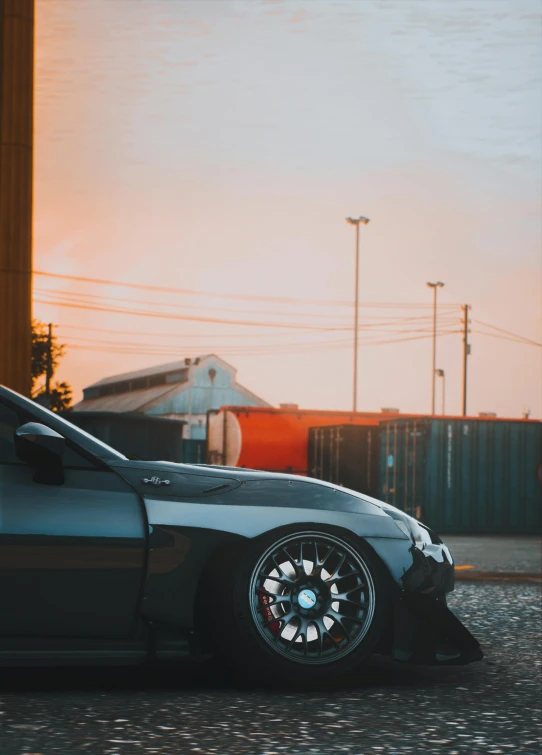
{"x": 42, "y": 449}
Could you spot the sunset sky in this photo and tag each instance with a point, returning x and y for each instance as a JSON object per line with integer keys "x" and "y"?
{"x": 217, "y": 146}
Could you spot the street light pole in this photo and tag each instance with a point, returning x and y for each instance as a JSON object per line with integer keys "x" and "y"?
{"x": 356, "y": 222}
{"x": 434, "y": 286}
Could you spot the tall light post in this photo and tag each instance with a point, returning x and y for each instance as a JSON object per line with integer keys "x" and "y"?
{"x": 356, "y": 222}
{"x": 435, "y": 287}
{"x": 442, "y": 374}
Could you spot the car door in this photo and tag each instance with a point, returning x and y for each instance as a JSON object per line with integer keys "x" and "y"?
{"x": 72, "y": 556}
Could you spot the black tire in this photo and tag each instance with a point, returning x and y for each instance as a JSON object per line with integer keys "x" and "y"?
{"x": 237, "y": 633}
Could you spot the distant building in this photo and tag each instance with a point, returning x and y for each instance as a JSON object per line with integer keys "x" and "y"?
{"x": 183, "y": 390}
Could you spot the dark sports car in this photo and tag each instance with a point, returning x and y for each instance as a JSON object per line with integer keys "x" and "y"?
{"x": 108, "y": 560}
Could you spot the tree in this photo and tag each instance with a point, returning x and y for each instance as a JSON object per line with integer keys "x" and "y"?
{"x": 61, "y": 395}
{"x": 40, "y": 351}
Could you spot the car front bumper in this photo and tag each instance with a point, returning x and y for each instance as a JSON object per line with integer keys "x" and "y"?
{"x": 431, "y": 571}
{"x": 425, "y": 631}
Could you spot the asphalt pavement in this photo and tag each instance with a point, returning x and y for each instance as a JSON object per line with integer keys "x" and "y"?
{"x": 492, "y": 706}
{"x": 519, "y": 555}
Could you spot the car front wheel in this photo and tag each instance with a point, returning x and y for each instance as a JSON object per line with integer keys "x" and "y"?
{"x": 303, "y": 605}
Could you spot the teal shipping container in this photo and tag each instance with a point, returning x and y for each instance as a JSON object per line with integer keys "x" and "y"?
{"x": 464, "y": 475}
{"x": 194, "y": 451}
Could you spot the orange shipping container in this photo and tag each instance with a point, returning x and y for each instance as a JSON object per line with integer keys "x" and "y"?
{"x": 275, "y": 440}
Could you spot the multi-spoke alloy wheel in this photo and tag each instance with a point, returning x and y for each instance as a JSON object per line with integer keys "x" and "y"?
{"x": 312, "y": 597}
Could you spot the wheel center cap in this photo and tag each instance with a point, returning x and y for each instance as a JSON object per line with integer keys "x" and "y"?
{"x": 306, "y": 599}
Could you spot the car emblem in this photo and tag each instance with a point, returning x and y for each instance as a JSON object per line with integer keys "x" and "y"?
{"x": 306, "y": 599}
{"x": 155, "y": 481}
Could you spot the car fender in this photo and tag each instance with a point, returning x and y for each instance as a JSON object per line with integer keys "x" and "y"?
{"x": 185, "y": 535}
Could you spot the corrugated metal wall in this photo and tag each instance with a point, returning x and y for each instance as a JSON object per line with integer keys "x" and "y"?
{"x": 211, "y": 386}
{"x": 464, "y": 475}
{"x": 346, "y": 455}
{"x": 194, "y": 451}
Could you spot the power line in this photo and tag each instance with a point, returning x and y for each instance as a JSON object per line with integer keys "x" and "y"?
{"x": 182, "y": 336}
{"x": 75, "y": 296}
{"x": 246, "y": 297}
{"x": 523, "y": 341}
{"x": 379, "y": 327}
{"x": 179, "y": 336}
{"x": 79, "y": 298}
{"x": 188, "y": 318}
{"x": 250, "y": 346}
{"x": 265, "y": 350}
{"x": 506, "y": 332}
{"x": 171, "y": 316}
{"x": 138, "y": 348}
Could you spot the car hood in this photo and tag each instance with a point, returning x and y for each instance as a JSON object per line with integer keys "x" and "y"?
{"x": 165, "y": 479}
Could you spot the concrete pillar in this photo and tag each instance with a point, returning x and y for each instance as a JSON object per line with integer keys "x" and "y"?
{"x": 16, "y": 131}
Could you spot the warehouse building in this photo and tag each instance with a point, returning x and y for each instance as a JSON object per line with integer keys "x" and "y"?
{"x": 183, "y": 390}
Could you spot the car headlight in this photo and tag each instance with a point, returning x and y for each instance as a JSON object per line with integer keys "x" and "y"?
{"x": 403, "y": 527}
{"x": 413, "y": 530}
{"x": 420, "y": 535}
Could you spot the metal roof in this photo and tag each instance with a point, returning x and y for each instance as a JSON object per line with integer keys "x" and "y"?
{"x": 131, "y": 401}
{"x": 158, "y": 369}
{"x": 144, "y": 399}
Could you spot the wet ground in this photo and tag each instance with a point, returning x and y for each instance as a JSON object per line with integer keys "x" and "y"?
{"x": 489, "y": 707}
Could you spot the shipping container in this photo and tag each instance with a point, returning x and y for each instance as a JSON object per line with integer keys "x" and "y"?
{"x": 194, "y": 451}
{"x": 346, "y": 455}
{"x": 134, "y": 435}
{"x": 464, "y": 475}
{"x": 275, "y": 440}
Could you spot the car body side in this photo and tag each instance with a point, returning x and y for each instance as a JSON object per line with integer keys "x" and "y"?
{"x": 186, "y": 517}
{"x": 186, "y": 530}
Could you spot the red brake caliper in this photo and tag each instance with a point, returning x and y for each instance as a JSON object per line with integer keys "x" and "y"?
{"x": 265, "y": 600}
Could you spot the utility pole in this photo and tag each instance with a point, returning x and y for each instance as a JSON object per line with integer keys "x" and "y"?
{"x": 435, "y": 287}
{"x": 466, "y": 353}
{"x": 356, "y": 222}
{"x": 49, "y": 370}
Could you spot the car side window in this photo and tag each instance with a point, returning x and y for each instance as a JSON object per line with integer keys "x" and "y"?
{"x": 10, "y": 420}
